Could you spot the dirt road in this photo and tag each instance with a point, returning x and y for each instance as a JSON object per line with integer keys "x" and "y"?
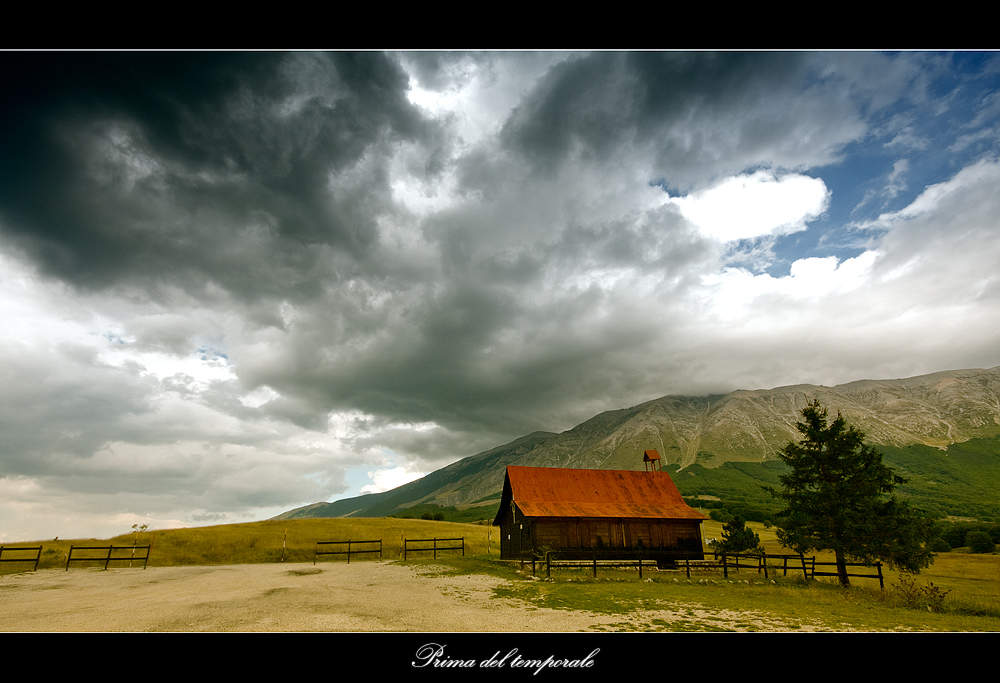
{"x": 356, "y": 597}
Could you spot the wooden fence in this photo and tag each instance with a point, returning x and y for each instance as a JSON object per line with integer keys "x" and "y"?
{"x": 877, "y": 566}
{"x": 109, "y": 554}
{"x": 350, "y": 550}
{"x": 605, "y": 559}
{"x": 36, "y": 549}
{"x": 434, "y": 545}
{"x": 593, "y": 563}
{"x": 763, "y": 564}
{"x": 806, "y": 564}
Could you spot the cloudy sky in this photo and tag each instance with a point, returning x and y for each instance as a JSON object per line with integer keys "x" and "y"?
{"x": 236, "y": 283}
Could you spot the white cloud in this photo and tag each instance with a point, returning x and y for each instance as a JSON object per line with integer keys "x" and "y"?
{"x": 924, "y": 296}
{"x": 766, "y": 302}
{"x": 755, "y": 205}
{"x": 384, "y": 480}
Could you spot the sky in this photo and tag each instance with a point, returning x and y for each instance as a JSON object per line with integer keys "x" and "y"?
{"x": 235, "y": 283}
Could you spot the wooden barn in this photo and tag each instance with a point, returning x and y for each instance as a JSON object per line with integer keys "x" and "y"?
{"x": 612, "y": 511}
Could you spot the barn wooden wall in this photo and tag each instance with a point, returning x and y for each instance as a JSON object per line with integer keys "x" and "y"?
{"x": 587, "y": 534}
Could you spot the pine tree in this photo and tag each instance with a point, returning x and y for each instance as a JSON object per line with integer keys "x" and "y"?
{"x": 838, "y": 496}
{"x": 737, "y": 538}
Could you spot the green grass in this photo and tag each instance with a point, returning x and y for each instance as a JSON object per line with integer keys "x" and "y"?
{"x": 968, "y": 584}
{"x": 748, "y": 602}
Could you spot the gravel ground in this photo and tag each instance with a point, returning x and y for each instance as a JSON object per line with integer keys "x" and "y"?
{"x": 356, "y": 597}
{"x": 361, "y": 597}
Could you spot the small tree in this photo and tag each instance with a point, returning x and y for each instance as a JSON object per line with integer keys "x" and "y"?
{"x": 838, "y": 496}
{"x": 737, "y": 538}
{"x": 721, "y": 515}
{"x": 939, "y": 545}
{"x": 979, "y": 542}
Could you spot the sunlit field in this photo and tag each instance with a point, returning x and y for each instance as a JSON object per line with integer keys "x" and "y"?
{"x": 273, "y": 541}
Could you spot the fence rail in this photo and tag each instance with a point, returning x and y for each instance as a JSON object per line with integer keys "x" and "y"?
{"x": 593, "y": 563}
{"x": 877, "y": 566}
{"x": 727, "y": 562}
{"x": 606, "y": 558}
{"x": 109, "y": 554}
{"x": 434, "y": 545}
{"x": 762, "y": 563}
{"x": 350, "y": 551}
{"x": 807, "y": 564}
{"x": 36, "y": 549}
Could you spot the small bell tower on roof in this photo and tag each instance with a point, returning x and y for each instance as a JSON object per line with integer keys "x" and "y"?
{"x": 652, "y": 461}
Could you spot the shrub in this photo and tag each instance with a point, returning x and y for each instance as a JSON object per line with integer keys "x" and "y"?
{"x": 721, "y": 515}
{"x": 939, "y": 545}
{"x": 979, "y": 542}
{"x": 955, "y": 532}
{"x": 928, "y": 597}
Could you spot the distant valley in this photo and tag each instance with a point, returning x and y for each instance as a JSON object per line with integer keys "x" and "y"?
{"x": 941, "y": 431}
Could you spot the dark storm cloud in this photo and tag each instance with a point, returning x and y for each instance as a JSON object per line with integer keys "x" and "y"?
{"x": 494, "y": 344}
{"x": 439, "y": 71}
{"x": 692, "y": 116}
{"x": 689, "y": 113}
{"x": 184, "y": 169}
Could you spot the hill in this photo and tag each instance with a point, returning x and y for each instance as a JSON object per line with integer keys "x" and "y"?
{"x": 941, "y": 430}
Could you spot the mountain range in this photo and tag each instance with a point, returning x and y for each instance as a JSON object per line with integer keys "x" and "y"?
{"x": 728, "y": 444}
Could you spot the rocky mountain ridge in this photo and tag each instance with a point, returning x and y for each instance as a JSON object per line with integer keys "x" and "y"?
{"x": 745, "y": 426}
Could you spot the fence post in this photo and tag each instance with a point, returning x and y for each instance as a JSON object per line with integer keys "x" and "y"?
{"x": 881, "y": 582}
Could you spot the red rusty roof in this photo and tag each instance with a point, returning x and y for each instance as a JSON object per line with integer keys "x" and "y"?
{"x": 565, "y": 492}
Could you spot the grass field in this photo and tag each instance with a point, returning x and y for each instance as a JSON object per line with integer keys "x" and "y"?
{"x": 959, "y": 592}
{"x": 272, "y": 541}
